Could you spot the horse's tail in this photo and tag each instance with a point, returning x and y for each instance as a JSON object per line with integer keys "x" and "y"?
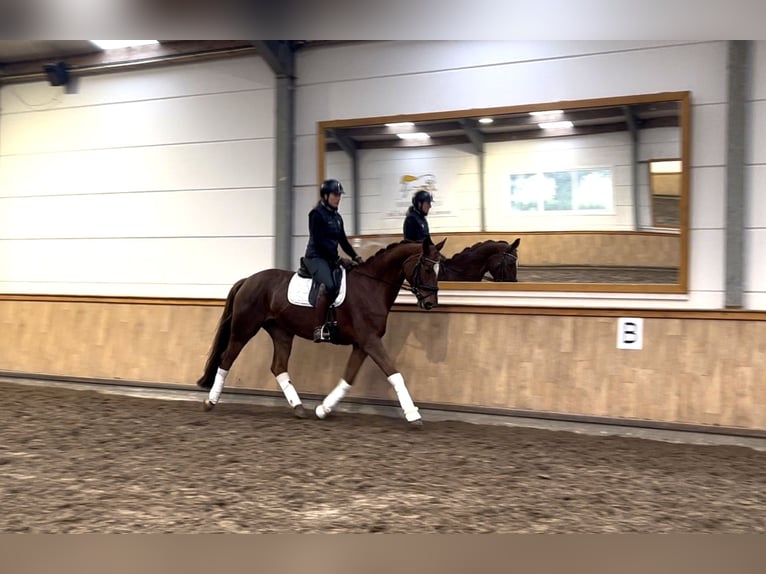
{"x": 221, "y": 340}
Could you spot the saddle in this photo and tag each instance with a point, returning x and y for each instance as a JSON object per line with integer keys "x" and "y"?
{"x": 302, "y": 289}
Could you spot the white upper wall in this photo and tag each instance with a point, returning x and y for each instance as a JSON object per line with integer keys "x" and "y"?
{"x": 156, "y": 182}
{"x": 406, "y": 77}
{"x": 387, "y": 78}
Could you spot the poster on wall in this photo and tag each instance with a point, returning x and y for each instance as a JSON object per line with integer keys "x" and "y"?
{"x": 406, "y": 184}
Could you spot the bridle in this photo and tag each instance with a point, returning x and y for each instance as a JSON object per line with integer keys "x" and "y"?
{"x": 417, "y": 287}
{"x": 514, "y": 257}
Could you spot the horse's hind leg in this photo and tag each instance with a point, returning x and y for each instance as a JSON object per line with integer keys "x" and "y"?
{"x": 283, "y": 345}
{"x": 352, "y": 368}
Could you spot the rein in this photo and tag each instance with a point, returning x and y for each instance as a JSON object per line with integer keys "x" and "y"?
{"x": 418, "y": 288}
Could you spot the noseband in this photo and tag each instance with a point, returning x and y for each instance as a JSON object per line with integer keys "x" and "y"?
{"x": 416, "y": 286}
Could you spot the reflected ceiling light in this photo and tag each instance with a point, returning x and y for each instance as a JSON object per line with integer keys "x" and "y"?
{"x": 400, "y": 125}
{"x": 414, "y": 136}
{"x": 486, "y": 120}
{"x": 113, "y": 44}
{"x": 555, "y": 125}
{"x": 667, "y": 166}
{"x": 547, "y": 113}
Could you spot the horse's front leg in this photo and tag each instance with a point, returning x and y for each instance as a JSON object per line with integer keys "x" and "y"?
{"x": 378, "y": 352}
{"x": 283, "y": 345}
{"x": 352, "y": 368}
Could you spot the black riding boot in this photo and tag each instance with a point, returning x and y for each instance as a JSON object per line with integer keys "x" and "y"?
{"x": 322, "y": 332}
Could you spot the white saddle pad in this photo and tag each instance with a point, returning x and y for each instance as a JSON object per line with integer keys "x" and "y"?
{"x": 299, "y": 287}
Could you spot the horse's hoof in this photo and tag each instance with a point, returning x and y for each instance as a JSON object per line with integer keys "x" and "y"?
{"x": 207, "y": 405}
{"x": 417, "y": 425}
{"x": 300, "y": 412}
{"x": 321, "y": 412}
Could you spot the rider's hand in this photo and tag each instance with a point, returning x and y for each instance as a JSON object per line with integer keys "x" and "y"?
{"x": 358, "y": 260}
{"x": 346, "y": 263}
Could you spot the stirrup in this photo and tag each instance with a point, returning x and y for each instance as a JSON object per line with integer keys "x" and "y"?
{"x": 321, "y": 334}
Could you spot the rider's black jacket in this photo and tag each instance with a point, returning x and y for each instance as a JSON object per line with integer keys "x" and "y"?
{"x": 325, "y": 233}
{"x": 415, "y": 225}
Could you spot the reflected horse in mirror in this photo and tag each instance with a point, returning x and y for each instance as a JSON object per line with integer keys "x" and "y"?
{"x": 499, "y": 259}
{"x": 261, "y": 301}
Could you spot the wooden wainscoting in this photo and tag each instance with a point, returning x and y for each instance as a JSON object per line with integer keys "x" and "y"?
{"x": 136, "y": 342}
{"x": 695, "y": 367}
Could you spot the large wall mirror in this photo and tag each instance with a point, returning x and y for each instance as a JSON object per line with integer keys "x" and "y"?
{"x": 597, "y": 190}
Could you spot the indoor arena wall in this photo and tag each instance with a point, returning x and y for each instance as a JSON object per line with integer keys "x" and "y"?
{"x": 96, "y": 200}
{"x": 694, "y": 368}
{"x": 156, "y": 183}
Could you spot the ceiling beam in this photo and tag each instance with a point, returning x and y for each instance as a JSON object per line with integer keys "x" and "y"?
{"x": 128, "y": 58}
{"x": 344, "y": 142}
{"x": 279, "y": 55}
{"x": 474, "y": 135}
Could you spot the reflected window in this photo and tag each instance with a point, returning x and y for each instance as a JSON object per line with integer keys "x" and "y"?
{"x": 665, "y": 187}
{"x": 577, "y": 191}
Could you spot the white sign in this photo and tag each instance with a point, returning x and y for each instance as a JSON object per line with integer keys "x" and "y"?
{"x": 630, "y": 333}
{"x": 409, "y": 183}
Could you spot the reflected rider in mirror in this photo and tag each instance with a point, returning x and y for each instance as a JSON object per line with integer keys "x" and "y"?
{"x": 415, "y": 223}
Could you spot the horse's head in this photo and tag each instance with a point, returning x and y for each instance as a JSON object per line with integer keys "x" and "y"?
{"x": 422, "y": 272}
{"x": 503, "y": 265}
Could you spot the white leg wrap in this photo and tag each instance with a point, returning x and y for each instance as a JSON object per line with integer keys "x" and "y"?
{"x": 288, "y": 389}
{"x": 335, "y": 396}
{"x": 215, "y": 391}
{"x": 410, "y": 410}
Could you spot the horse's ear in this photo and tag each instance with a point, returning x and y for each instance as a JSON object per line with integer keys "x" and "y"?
{"x": 441, "y": 244}
{"x": 514, "y": 245}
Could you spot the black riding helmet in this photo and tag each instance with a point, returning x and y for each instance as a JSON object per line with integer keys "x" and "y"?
{"x": 420, "y": 197}
{"x": 330, "y": 186}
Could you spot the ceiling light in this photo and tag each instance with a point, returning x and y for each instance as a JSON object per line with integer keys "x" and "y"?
{"x": 414, "y": 136}
{"x": 400, "y": 125}
{"x": 555, "y": 125}
{"x": 546, "y": 113}
{"x": 113, "y": 44}
{"x": 486, "y": 120}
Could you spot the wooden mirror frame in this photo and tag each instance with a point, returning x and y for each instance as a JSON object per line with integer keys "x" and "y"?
{"x": 682, "y": 97}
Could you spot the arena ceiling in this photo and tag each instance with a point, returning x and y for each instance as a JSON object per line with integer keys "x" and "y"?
{"x": 23, "y": 60}
{"x": 509, "y": 127}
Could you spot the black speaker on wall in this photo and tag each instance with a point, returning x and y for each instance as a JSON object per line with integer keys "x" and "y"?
{"x": 57, "y": 74}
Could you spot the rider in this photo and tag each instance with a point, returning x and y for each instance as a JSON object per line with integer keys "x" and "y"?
{"x": 321, "y": 258}
{"x": 415, "y": 224}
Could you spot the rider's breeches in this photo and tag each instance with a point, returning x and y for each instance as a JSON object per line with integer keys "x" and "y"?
{"x": 322, "y": 272}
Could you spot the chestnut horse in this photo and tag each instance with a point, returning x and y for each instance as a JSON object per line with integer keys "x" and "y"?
{"x": 498, "y": 258}
{"x": 371, "y": 289}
